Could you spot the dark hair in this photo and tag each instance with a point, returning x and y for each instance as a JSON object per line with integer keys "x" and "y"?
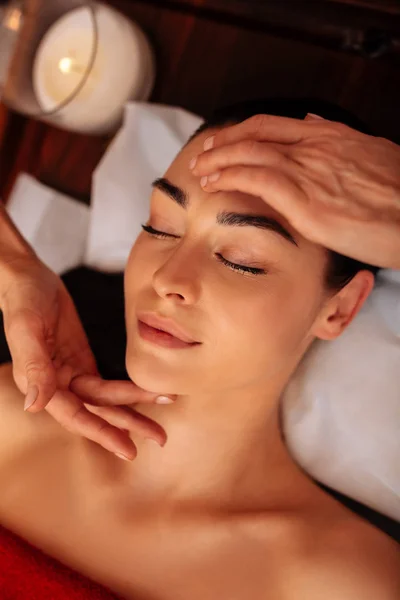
{"x": 341, "y": 269}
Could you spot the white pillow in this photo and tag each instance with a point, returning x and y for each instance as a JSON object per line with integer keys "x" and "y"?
{"x": 341, "y": 409}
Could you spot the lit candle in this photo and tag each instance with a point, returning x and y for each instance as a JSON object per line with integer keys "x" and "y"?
{"x": 88, "y": 84}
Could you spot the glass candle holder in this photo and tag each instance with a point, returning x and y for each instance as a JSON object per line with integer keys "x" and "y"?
{"x": 75, "y": 64}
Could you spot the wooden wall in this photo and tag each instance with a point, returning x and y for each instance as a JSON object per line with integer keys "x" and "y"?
{"x": 213, "y": 52}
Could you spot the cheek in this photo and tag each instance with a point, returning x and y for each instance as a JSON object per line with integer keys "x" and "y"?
{"x": 264, "y": 328}
{"x": 246, "y": 327}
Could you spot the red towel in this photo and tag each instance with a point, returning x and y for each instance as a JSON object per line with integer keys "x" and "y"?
{"x": 26, "y": 573}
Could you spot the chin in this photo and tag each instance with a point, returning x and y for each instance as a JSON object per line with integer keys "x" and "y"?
{"x": 152, "y": 374}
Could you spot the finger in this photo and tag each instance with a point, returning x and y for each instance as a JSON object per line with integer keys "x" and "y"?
{"x": 130, "y": 420}
{"x": 99, "y": 392}
{"x": 323, "y": 225}
{"x": 270, "y": 128}
{"x": 33, "y": 370}
{"x": 69, "y": 411}
{"x": 245, "y": 152}
{"x": 275, "y": 186}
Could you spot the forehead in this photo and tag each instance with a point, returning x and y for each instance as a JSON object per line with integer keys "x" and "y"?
{"x": 180, "y": 175}
{"x": 194, "y": 147}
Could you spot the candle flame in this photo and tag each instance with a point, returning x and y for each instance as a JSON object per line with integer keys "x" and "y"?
{"x": 65, "y": 65}
{"x": 68, "y": 65}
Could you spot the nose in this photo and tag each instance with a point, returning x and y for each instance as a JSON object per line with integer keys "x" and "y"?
{"x": 178, "y": 278}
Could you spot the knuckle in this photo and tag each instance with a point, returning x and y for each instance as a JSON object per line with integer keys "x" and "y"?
{"x": 324, "y": 149}
{"x": 95, "y": 388}
{"x": 262, "y": 176}
{"x": 234, "y": 173}
{"x": 248, "y": 147}
{"x": 77, "y": 419}
{"x": 257, "y": 123}
{"x": 35, "y": 369}
{"x": 337, "y": 129}
{"x": 104, "y": 428}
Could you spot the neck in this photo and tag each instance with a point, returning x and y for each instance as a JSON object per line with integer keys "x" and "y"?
{"x": 225, "y": 450}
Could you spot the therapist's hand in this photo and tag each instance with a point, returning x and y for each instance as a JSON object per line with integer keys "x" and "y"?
{"x": 336, "y": 186}
{"x": 54, "y": 366}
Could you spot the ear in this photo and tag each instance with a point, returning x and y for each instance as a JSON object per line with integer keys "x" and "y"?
{"x": 340, "y": 309}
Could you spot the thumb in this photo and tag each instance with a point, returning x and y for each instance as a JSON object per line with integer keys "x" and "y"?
{"x": 33, "y": 369}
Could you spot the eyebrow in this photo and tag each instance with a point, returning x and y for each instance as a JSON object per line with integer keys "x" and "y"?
{"x": 173, "y": 191}
{"x": 260, "y": 221}
{"x": 231, "y": 219}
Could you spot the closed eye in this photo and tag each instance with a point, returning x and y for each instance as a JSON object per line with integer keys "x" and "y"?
{"x": 160, "y": 234}
{"x": 241, "y": 268}
{"x": 236, "y": 267}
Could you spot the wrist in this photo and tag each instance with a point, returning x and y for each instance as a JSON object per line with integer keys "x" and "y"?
{"x": 13, "y": 245}
{"x": 15, "y": 254}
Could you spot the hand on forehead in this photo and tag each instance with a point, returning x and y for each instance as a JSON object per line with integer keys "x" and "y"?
{"x": 179, "y": 174}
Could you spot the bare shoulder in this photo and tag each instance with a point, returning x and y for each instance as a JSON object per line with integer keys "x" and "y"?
{"x": 327, "y": 551}
{"x": 18, "y": 429}
{"x": 353, "y": 560}
{"x": 320, "y": 549}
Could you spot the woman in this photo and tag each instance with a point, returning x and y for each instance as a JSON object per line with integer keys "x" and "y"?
{"x": 221, "y": 511}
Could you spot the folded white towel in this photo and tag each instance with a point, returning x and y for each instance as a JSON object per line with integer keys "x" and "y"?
{"x": 55, "y": 225}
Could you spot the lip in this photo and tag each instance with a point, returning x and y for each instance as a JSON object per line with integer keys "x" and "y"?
{"x": 165, "y": 325}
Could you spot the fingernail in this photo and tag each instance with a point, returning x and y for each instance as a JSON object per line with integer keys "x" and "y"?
{"x": 31, "y": 397}
{"x": 121, "y": 456}
{"x": 192, "y": 163}
{"x": 203, "y": 181}
{"x": 209, "y": 143}
{"x": 154, "y": 441}
{"x": 214, "y": 177}
{"x": 315, "y": 116}
{"x": 164, "y": 400}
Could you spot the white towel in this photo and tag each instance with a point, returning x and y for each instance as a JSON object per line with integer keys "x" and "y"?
{"x": 55, "y": 225}
{"x": 144, "y": 148}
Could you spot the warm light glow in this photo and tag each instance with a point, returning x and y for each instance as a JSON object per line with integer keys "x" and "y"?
{"x": 81, "y": 76}
{"x": 13, "y": 19}
{"x": 65, "y": 65}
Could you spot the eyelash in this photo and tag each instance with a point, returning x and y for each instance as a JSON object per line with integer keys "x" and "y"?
{"x": 239, "y": 268}
{"x": 159, "y": 234}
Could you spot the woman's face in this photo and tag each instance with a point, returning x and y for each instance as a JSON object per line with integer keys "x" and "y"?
{"x": 251, "y": 324}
